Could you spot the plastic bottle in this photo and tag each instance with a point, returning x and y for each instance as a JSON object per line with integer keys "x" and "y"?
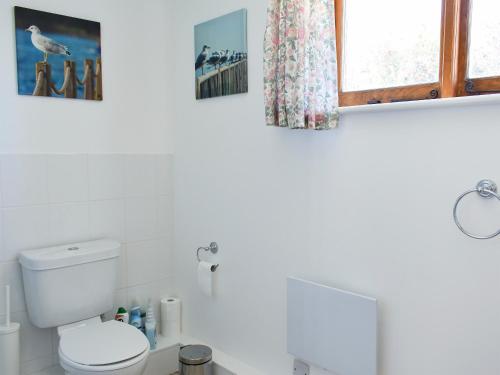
{"x": 151, "y": 326}
{"x": 135, "y": 317}
{"x": 122, "y": 315}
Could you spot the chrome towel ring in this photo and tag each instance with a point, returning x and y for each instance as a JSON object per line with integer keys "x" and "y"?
{"x": 486, "y": 189}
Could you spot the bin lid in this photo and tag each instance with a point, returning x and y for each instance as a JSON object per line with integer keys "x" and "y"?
{"x": 195, "y": 354}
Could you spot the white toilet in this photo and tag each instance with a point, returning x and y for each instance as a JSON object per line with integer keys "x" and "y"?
{"x": 69, "y": 287}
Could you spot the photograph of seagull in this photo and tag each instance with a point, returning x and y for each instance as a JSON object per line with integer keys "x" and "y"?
{"x": 220, "y": 50}
{"x": 63, "y": 47}
{"x": 202, "y": 59}
{"x": 46, "y": 45}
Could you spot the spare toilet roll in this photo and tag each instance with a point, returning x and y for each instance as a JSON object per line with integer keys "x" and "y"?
{"x": 170, "y": 311}
{"x": 205, "y": 277}
{"x": 9, "y": 349}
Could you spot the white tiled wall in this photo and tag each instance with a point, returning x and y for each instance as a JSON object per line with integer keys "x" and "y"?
{"x": 53, "y": 199}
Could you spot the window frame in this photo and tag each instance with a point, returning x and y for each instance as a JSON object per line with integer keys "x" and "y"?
{"x": 470, "y": 86}
{"x": 453, "y": 63}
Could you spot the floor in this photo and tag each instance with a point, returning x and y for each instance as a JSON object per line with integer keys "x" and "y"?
{"x": 56, "y": 370}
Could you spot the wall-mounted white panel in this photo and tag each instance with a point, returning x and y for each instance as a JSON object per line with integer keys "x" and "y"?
{"x": 332, "y": 328}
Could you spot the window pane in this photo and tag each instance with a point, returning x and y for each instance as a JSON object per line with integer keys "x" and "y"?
{"x": 391, "y": 43}
{"x": 484, "y": 51}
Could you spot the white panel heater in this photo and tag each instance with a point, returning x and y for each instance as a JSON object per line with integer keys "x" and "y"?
{"x": 331, "y": 328}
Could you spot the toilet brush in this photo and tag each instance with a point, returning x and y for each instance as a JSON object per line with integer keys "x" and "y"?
{"x": 9, "y": 341}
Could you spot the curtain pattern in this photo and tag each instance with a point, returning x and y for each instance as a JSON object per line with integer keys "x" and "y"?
{"x": 300, "y": 65}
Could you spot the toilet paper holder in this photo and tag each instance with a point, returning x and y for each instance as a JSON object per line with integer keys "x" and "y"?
{"x": 213, "y": 248}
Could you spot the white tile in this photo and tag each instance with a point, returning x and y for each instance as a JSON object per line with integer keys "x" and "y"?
{"x": 165, "y": 173}
{"x": 2, "y": 246}
{"x": 24, "y": 180}
{"x": 141, "y": 262}
{"x": 24, "y": 228}
{"x": 10, "y": 274}
{"x": 140, "y": 175}
{"x": 148, "y": 261}
{"x": 166, "y": 256}
{"x": 165, "y": 287}
{"x": 39, "y": 366}
{"x": 34, "y": 341}
{"x": 120, "y": 299}
{"x": 165, "y": 216}
{"x": 69, "y": 222}
{"x": 55, "y": 370}
{"x": 107, "y": 219}
{"x": 67, "y": 178}
{"x": 123, "y": 268}
{"x": 106, "y": 176}
{"x": 141, "y": 219}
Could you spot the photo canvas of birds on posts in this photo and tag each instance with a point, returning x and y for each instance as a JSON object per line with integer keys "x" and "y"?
{"x": 221, "y": 55}
{"x": 57, "y": 56}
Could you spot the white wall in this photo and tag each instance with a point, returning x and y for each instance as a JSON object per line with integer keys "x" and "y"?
{"x": 366, "y": 207}
{"x": 135, "y": 115}
{"x": 74, "y": 170}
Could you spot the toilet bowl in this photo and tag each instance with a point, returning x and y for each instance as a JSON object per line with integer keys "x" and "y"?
{"x": 109, "y": 348}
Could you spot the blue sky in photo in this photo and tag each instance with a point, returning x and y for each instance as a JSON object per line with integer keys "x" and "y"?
{"x": 225, "y": 32}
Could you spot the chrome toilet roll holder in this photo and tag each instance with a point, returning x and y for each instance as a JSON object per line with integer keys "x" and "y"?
{"x": 213, "y": 248}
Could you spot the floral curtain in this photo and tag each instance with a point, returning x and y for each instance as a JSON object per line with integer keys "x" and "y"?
{"x": 300, "y": 65}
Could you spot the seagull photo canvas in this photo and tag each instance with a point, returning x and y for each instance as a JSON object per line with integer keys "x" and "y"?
{"x": 57, "y": 56}
{"x": 221, "y": 66}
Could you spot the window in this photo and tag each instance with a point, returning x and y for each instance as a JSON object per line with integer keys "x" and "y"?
{"x": 399, "y": 50}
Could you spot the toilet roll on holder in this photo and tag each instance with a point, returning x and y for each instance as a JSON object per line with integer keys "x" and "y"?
{"x": 213, "y": 248}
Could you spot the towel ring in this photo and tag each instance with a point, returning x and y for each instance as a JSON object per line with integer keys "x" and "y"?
{"x": 213, "y": 248}
{"x": 486, "y": 189}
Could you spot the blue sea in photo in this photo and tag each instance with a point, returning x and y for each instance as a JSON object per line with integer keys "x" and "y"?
{"x": 227, "y": 32}
{"x": 27, "y": 57}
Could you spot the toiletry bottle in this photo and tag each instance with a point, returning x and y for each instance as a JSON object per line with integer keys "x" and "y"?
{"x": 151, "y": 326}
{"x": 135, "y": 317}
{"x": 122, "y": 315}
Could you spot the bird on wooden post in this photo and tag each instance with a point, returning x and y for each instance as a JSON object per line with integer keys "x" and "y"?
{"x": 223, "y": 57}
{"x": 233, "y": 57}
{"x": 202, "y": 59}
{"x": 46, "y": 45}
{"x": 214, "y": 59}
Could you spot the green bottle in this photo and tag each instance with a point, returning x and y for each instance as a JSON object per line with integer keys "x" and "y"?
{"x": 122, "y": 315}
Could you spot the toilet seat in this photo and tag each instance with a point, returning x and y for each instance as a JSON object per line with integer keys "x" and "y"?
{"x": 103, "y": 347}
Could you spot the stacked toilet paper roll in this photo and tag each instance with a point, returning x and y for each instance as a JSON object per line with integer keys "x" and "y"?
{"x": 171, "y": 317}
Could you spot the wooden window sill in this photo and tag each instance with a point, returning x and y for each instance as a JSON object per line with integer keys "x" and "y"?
{"x": 461, "y": 101}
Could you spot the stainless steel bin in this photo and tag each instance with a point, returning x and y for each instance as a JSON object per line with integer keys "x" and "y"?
{"x": 195, "y": 360}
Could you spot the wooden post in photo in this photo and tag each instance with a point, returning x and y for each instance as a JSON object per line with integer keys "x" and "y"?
{"x": 71, "y": 89}
{"x": 98, "y": 79}
{"x": 43, "y": 77}
{"x": 88, "y": 80}
{"x": 198, "y": 88}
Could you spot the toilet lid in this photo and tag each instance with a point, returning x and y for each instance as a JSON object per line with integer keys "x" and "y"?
{"x": 103, "y": 344}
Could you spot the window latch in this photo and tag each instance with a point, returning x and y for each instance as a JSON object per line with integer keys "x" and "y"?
{"x": 469, "y": 89}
